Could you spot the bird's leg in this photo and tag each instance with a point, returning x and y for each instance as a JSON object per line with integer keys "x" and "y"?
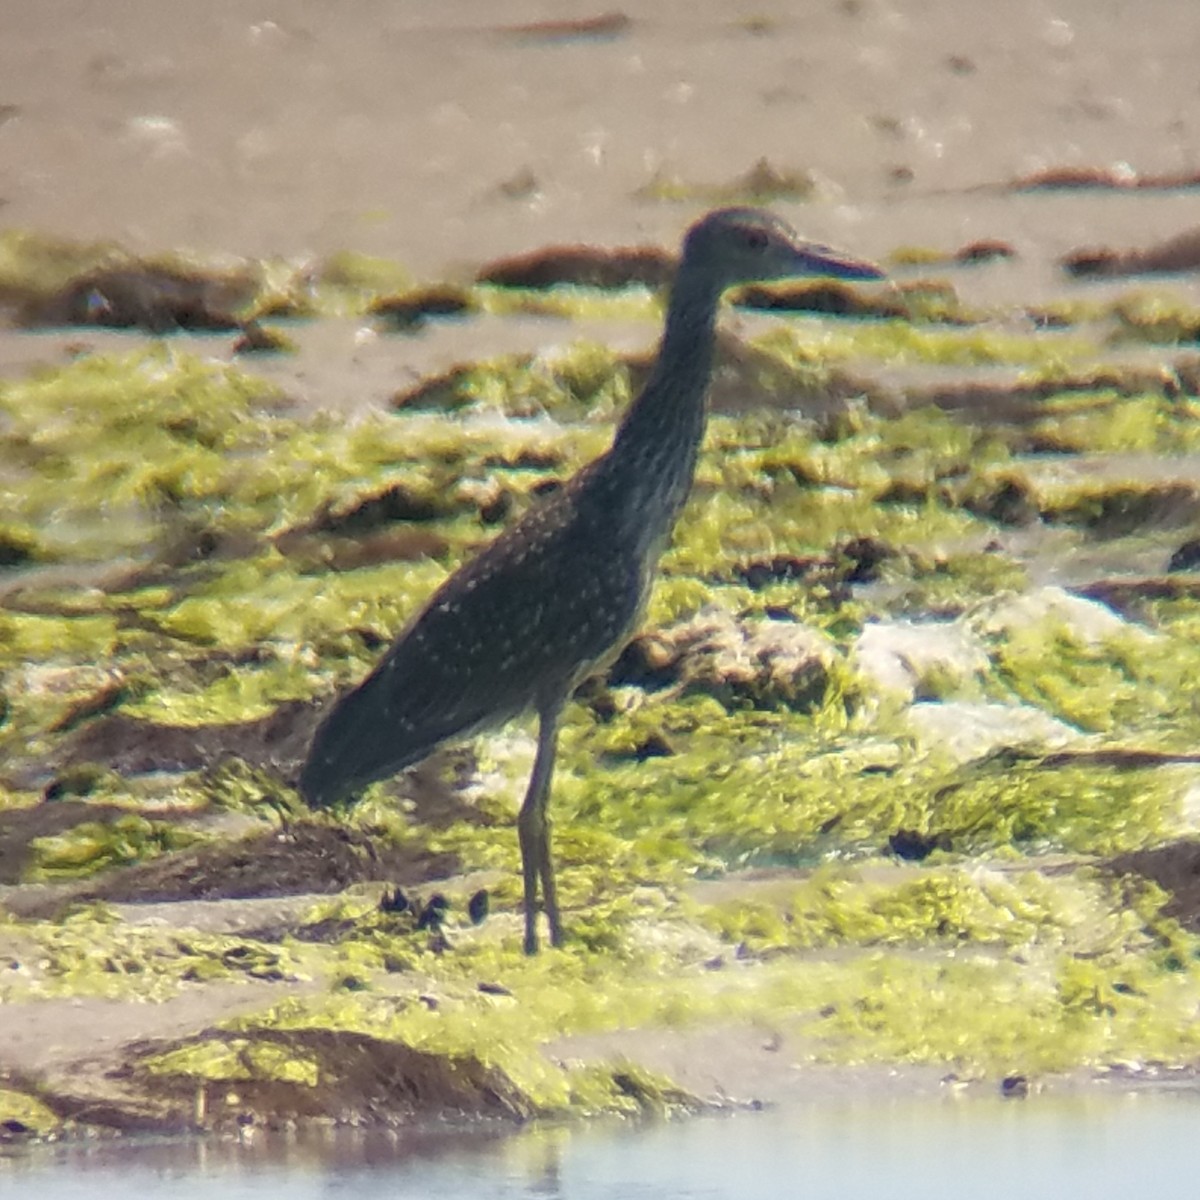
{"x": 533, "y": 830}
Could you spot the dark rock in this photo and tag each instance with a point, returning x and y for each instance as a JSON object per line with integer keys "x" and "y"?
{"x": 781, "y": 568}
{"x": 652, "y": 745}
{"x": 1007, "y": 502}
{"x": 1175, "y": 868}
{"x": 911, "y": 846}
{"x": 479, "y": 906}
{"x": 1186, "y": 558}
{"x": 394, "y": 503}
{"x": 256, "y": 339}
{"x": 496, "y": 510}
{"x": 854, "y": 561}
{"x": 393, "y": 901}
{"x": 863, "y": 556}
{"x": 17, "y": 548}
{"x": 434, "y": 912}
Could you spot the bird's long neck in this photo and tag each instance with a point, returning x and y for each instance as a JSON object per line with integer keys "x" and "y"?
{"x": 664, "y": 425}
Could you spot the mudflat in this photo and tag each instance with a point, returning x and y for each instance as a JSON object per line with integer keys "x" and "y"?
{"x": 445, "y": 137}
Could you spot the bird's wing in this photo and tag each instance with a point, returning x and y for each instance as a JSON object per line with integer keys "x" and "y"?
{"x": 515, "y": 628}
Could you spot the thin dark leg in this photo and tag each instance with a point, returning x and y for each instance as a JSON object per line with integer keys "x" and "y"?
{"x": 550, "y": 889}
{"x": 533, "y": 831}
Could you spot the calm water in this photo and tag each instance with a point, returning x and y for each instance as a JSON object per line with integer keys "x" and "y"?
{"x": 1101, "y": 1147}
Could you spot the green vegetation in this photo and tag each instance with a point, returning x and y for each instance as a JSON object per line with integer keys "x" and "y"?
{"x": 94, "y": 846}
{"x": 27, "y": 1111}
{"x": 182, "y": 554}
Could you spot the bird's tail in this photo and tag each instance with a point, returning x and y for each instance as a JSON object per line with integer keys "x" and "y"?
{"x": 356, "y": 744}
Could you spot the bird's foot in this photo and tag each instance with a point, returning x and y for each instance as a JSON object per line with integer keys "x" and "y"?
{"x": 533, "y": 942}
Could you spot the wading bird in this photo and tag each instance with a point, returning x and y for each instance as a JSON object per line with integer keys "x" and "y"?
{"x": 558, "y": 594}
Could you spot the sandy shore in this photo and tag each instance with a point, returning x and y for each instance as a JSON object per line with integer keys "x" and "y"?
{"x": 442, "y": 137}
{"x": 441, "y": 143}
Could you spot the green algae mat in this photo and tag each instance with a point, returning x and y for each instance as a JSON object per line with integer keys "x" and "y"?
{"x": 902, "y": 769}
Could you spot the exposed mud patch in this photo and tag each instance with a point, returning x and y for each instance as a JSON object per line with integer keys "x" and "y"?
{"x": 1175, "y": 867}
{"x": 20, "y": 826}
{"x": 276, "y": 1077}
{"x": 133, "y": 747}
{"x": 314, "y": 552}
{"x": 305, "y": 857}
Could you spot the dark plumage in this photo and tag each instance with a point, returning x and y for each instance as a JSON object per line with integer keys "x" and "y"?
{"x": 556, "y": 596}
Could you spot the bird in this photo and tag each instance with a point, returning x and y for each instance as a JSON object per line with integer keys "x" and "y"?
{"x": 556, "y": 596}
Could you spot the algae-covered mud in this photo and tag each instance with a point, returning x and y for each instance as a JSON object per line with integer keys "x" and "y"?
{"x": 880, "y": 778}
{"x": 898, "y": 781}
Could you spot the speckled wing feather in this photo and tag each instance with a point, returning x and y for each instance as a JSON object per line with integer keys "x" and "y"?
{"x": 504, "y": 634}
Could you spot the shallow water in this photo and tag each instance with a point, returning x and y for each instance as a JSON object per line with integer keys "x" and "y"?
{"x": 1099, "y": 1146}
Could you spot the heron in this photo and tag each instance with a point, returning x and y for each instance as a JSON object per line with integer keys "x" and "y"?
{"x": 558, "y": 594}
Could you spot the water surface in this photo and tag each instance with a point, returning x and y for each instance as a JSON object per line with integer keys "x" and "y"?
{"x": 1101, "y": 1147}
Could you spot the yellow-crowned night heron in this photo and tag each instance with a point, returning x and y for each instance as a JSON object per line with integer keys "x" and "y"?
{"x": 556, "y": 596}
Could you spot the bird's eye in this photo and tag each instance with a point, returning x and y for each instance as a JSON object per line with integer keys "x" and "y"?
{"x": 756, "y": 239}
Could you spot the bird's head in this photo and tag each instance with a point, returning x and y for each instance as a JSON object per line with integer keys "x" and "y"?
{"x": 747, "y": 245}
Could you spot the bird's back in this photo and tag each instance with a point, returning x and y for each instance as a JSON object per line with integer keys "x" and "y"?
{"x": 537, "y": 611}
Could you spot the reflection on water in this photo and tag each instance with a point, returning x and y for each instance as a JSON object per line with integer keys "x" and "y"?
{"x": 1044, "y": 1147}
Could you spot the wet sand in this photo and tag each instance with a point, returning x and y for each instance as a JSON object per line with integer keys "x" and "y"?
{"x": 441, "y": 137}
{"x": 444, "y": 141}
